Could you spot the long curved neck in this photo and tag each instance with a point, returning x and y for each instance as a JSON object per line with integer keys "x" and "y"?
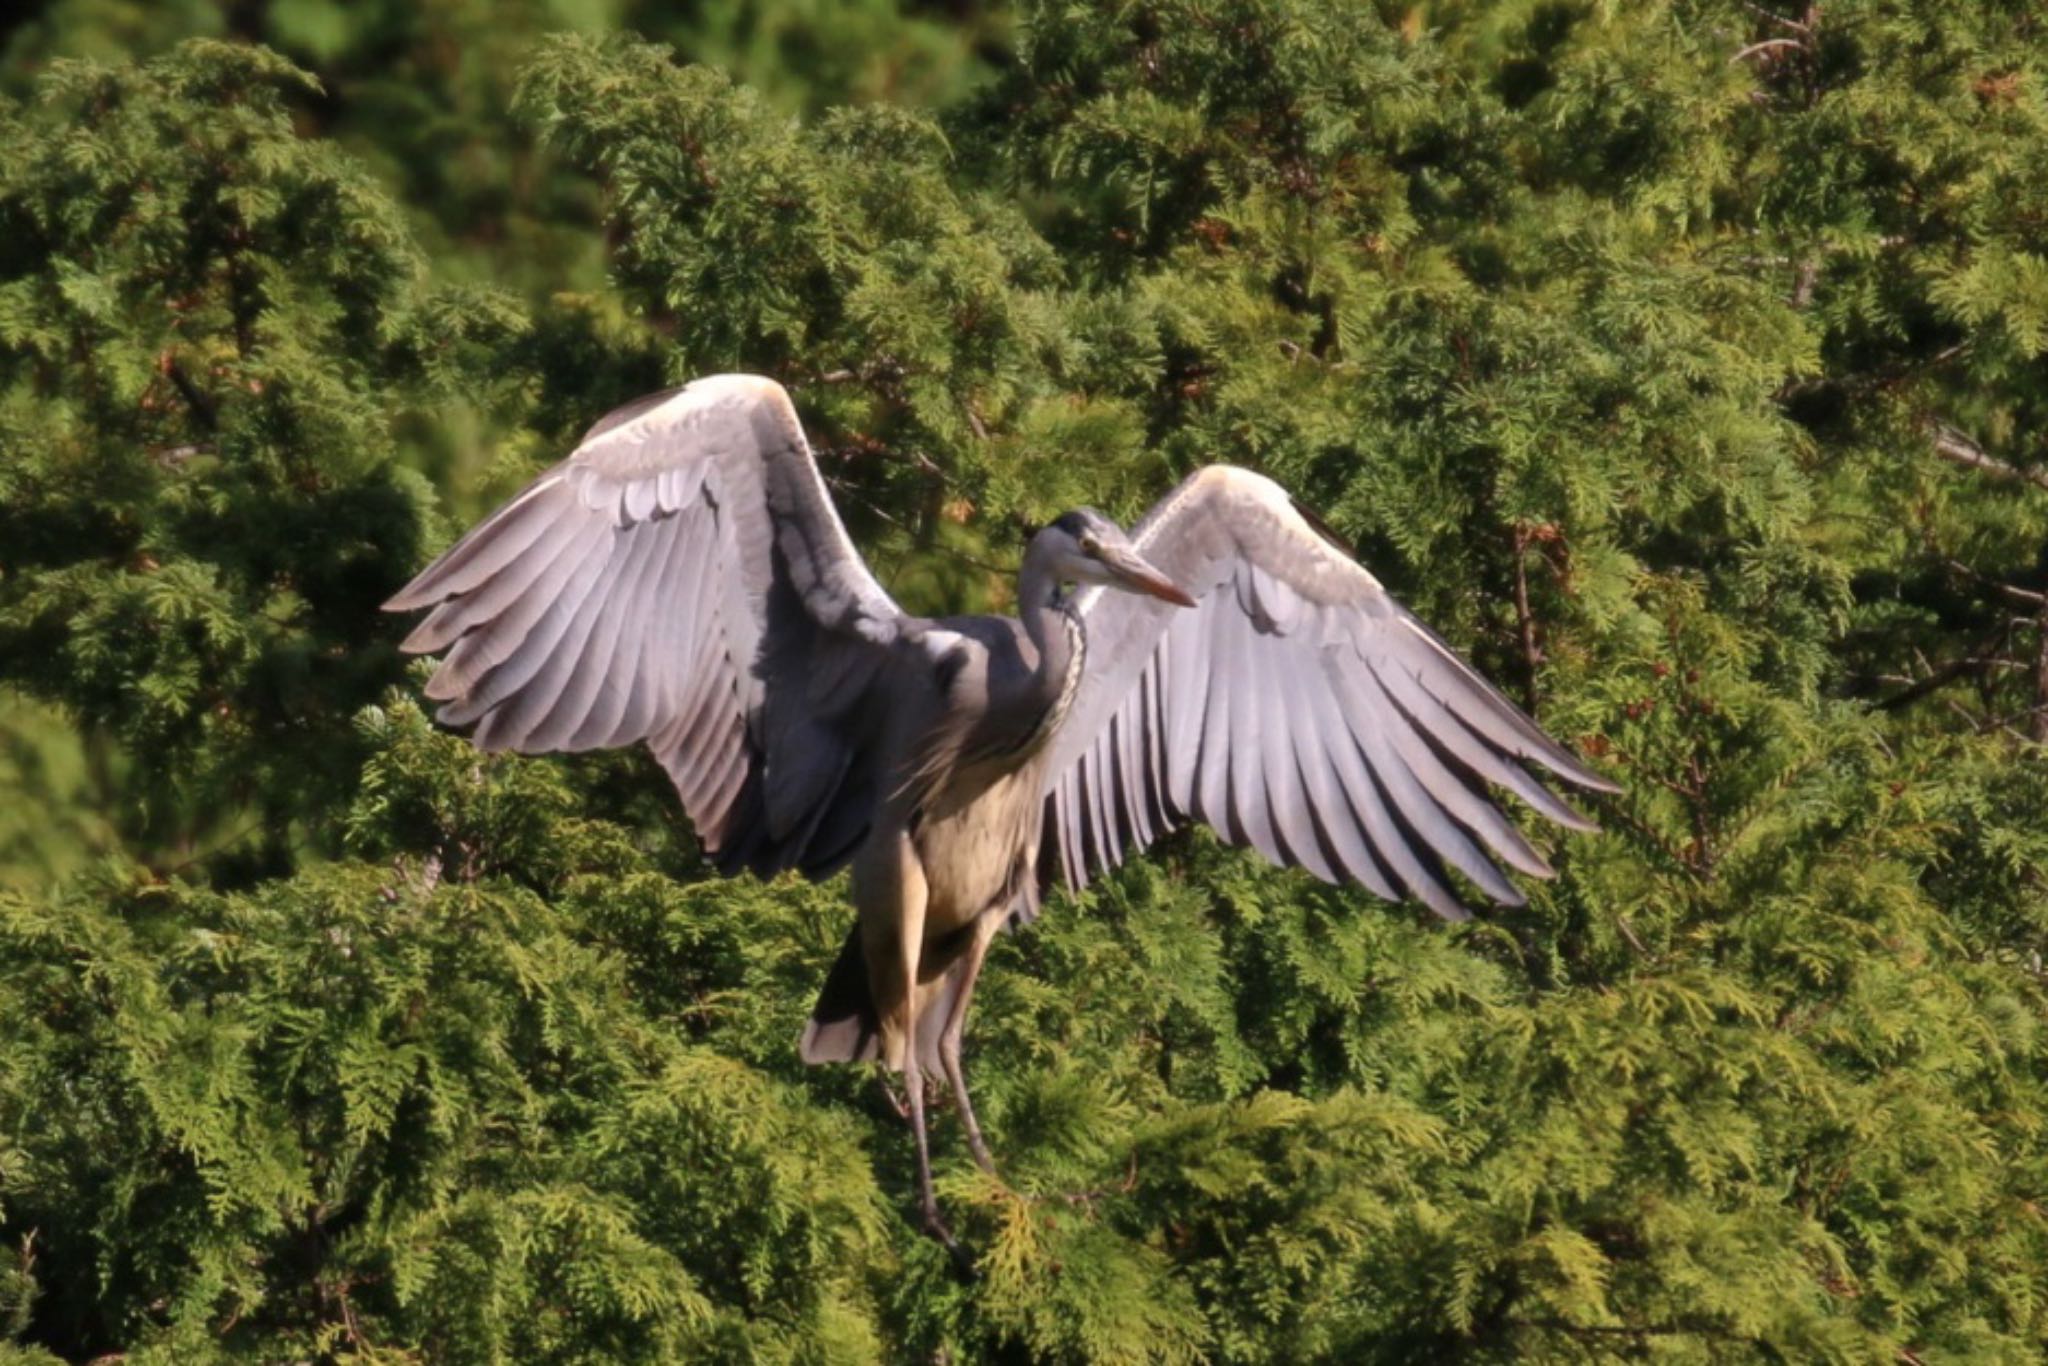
{"x": 1055, "y": 632}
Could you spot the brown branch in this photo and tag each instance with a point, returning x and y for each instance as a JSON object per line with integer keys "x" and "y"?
{"x": 174, "y": 457}
{"x": 1952, "y": 446}
{"x": 1525, "y": 621}
{"x": 1934, "y": 682}
{"x": 842, "y": 489}
{"x": 2039, "y": 728}
{"x": 198, "y": 400}
{"x": 1803, "y": 283}
{"x": 1628, "y": 932}
{"x": 1875, "y": 381}
{"x": 1702, "y": 824}
{"x": 2024, "y": 597}
{"x": 1675, "y": 1328}
{"x": 1765, "y": 46}
{"x": 1792, "y": 24}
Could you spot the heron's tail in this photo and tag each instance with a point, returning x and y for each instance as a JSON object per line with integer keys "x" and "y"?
{"x": 846, "y": 1027}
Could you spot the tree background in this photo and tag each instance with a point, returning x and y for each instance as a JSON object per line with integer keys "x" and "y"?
{"x": 1684, "y": 361}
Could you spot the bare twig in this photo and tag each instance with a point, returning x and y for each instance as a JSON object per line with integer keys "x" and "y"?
{"x": 1937, "y": 680}
{"x": 1792, "y": 24}
{"x": 2038, "y": 729}
{"x": 1952, "y": 446}
{"x": 1676, "y": 1328}
{"x": 1525, "y": 621}
{"x": 841, "y": 489}
{"x": 1765, "y": 46}
{"x": 173, "y": 457}
{"x": 1803, "y": 282}
{"x": 1628, "y": 932}
{"x": 198, "y": 400}
{"x": 2024, "y": 597}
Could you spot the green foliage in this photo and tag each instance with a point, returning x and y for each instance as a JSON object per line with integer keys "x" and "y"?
{"x": 208, "y": 326}
{"x": 1680, "y": 360}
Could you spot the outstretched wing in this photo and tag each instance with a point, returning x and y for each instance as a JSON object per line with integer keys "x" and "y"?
{"x": 681, "y": 579}
{"x": 1297, "y": 708}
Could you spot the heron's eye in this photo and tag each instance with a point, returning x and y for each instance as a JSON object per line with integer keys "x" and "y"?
{"x": 1091, "y": 546}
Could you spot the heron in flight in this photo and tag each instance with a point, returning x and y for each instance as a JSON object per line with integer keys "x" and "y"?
{"x": 682, "y": 581}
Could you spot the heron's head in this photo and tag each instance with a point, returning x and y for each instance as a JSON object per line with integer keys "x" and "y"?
{"x": 1084, "y": 546}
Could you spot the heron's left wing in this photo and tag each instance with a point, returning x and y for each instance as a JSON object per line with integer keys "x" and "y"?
{"x": 1297, "y": 708}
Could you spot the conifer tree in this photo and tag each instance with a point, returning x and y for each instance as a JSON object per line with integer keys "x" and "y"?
{"x": 1679, "y": 360}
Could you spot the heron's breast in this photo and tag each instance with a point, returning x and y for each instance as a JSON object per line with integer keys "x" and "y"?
{"x": 971, "y": 853}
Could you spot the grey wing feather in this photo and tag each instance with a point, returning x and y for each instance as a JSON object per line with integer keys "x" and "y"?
{"x": 680, "y": 580}
{"x": 1297, "y": 709}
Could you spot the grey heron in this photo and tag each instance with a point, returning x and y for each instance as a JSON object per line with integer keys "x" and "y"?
{"x": 681, "y": 580}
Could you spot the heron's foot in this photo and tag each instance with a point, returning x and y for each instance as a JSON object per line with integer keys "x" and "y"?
{"x": 978, "y": 1147}
{"x": 933, "y": 1226}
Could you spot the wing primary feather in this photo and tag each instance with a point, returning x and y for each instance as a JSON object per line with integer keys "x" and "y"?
{"x": 1460, "y": 792}
{"x": 1213, "y": 766}
{"x": 522, "y": 719}
{"x": 1480, "y": 705}
{"x": 1124, "y": 783}
{"x": 1336, "y": 821}
{"x": 699, "y": 743}
{"x": 1187, "y": 703}
{"x": 1369, "y": 816}
{"x": 1066, "y": 808}
{"x": 524, "y": 656}
{"x": 1131, "y": 762}
{"x": 499, "y": 540}
{"x": 1250, "y": 813}
{"x": 1372, "y": 712}
{"x": 724, "y": 788}
{"x": 1441, "y": 724}
{"x": 697, "y": 721}
{"x": 1279, "y": 783}
{"x": 631, "y": 667}
{"x": 495, "y": 627}
{"x": 1158, "y": 809}
{"x": 600, "y": 662}
{"x": 665, "y": 653}
{"x": 1402, "y": 855}
{"x": 1298, "y": 775}
{"x": 685, "y": 635}
{"x": 707, "y": 690}
{"x": 1088, "y": 832}
{"x": 1101, "y": 802}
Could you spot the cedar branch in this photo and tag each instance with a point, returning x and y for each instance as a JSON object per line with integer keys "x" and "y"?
{"x": 1952, "y": 446}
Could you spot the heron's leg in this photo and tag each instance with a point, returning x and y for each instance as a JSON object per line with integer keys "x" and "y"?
{"x": 934, "y": 1223}
{"x": 956, "y": 1025}
{"x": 891, "y": 894}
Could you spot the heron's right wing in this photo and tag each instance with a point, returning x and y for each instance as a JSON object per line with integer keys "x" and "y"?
{"x": 1297, "y": 708}
{"x": 681, "y": 579}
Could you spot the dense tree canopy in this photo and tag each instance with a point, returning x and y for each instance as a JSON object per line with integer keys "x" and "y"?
{"x": 1684, "y": 361}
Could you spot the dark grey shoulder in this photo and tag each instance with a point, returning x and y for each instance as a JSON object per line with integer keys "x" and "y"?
{"x": 1002, "y": 639}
